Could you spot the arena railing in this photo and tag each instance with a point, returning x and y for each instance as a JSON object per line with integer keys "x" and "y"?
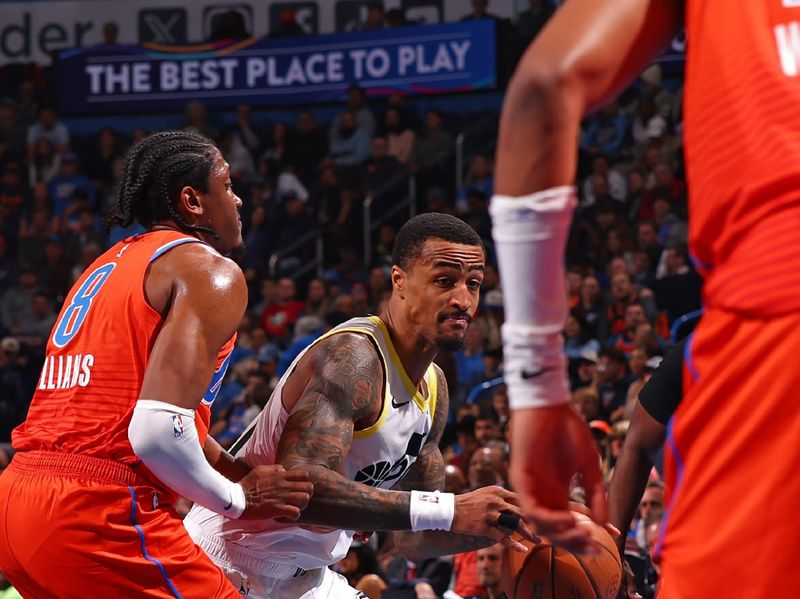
{"x": 370, "y": 224}
{"x": 314, "y": 236}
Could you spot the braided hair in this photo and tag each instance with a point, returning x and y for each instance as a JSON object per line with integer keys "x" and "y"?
{"x": 156, "y": 169}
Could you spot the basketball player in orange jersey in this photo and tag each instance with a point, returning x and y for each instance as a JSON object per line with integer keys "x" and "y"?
{"x": 117, "y": 427}
{"x": 731, "y": 526}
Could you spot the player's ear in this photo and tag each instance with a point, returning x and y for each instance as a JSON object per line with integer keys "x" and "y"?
{"x": 398, "y": 280}
{"x": 189, "y": 202}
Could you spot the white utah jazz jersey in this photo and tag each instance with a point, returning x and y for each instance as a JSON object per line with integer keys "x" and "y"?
{"x": 379, "y": 456}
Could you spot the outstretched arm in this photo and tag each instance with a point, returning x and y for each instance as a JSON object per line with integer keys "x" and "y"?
{"x": 586, "y": 54}
{"x": 427, "y": 474}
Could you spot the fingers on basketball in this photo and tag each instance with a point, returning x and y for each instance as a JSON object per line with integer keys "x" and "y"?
{"x": 550, "y": 570}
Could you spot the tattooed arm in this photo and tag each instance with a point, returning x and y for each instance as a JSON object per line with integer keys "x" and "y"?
{"x": 345, "y": 385}
{"x": 345, "y": 380}
{"x": 427, "y": 474}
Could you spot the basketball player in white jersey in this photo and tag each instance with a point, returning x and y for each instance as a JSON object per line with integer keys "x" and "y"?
{"x": 363, "y": 409}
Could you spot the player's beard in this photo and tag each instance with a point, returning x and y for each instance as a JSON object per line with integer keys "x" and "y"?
{"x": 446, "y": 343}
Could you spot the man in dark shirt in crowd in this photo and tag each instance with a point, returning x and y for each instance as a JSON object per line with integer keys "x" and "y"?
{"x": 614, "y": 382}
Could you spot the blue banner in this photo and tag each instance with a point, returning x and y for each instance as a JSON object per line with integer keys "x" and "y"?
{"x": 429, "y": 59}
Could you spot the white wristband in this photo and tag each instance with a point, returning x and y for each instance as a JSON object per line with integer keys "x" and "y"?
{"x": 530, "y": 235}
{"x": 431, "y": 510}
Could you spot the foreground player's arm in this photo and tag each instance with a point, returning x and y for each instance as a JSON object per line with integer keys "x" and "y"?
{"x": 427, "y": 474}
{"x": 344, "y": 380}
{"x": 202, "y": 296}
{"x": 586, "y": 53}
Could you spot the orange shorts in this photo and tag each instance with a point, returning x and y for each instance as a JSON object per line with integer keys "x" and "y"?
{"x": 732, "y": 527}
{"x": 74, "y": 527}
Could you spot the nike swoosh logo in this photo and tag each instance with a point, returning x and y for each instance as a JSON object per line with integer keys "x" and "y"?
{"x": 229, "y": 506}
{"x": 527, "y": 374}
{"x": 399, "y": 405}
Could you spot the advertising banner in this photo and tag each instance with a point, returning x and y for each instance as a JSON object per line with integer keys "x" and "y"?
{"x": 301, "y": 70}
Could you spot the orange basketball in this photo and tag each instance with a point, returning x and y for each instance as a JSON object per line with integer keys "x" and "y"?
{"x": 553, "y": 572}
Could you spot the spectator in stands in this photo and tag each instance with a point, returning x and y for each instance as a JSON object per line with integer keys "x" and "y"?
{"x": 487, "y": 429}
{"x": 34, "y": 330}
{"x": 671, "y": 228}
{"x": 679, "y": 291}
{"x": 487, "y": 466}
{"x": 625, "y": 341}
{"x": 663, "y": 100}
{"x": 14, "y": 396}
{"x": 349, "y": 143}
{"x": 27, "y": 104}
{"x": 67, "y": 183}
{"x": 48, "y": 126}
{"x": 642, "y": 269}
{"x": 479, "y": 177}
{"x": 593, "y": 308}
{"x": 666, "y": 185}
{"x": 248, "y": 134}
{"x": 616, "y": 188}
{"x": 294, "y": 222}
{"x": 257, "y": 244}
{"x": 356, "y": 105}
{"x": 54, "y": 273}
{"x": 647, "y": 240}
{"x": 399, "y": 136}
{"x": 12, "y": 131}
{"x": 237, "y": 155}
{"x": 586, "y": 402}
{"x": 490, "y": 571}
{"x": 99, "y": 157}
{"x": 651, "y": 509}
{"x": 636, "y": 191}
{"x": 476, "y": 213}
{"x": 307, "y": 147}
{"x": 33, "y": 235}
{"x": 500, "y": 405}
{"x": 605, "y": 131}
{"x": 376, "y": 17}
{"x": 279, "y": 318}
{"x": 623, "y": 292}
{"x": 613, "y": 382}
{"x": 15, "y": 199}
{"x": 9, "y": 271}
{"x": 433, "y": 151}
{"x": 197, "y": 120}
{"x": 287, "y": 25}
{"x": 44, "y": 164}
{"x": 278, "y": 144}
{"x": 318, "y": 302}
{"x": 479, "y": 11}
{"x": 578, "y": 338}
{"x": 89, "y": 253}
{"x": 638, "y": 365}
{"x": 383, "y": 176}
{"x": 647, "y": 123}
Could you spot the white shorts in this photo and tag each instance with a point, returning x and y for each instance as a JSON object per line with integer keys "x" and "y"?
{"x": 322, "y": 583}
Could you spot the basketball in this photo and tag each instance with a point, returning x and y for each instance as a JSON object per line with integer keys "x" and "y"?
{"x": 547, "y": 571}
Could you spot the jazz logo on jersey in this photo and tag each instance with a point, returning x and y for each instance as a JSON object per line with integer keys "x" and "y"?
{"x": 177, "y": 426}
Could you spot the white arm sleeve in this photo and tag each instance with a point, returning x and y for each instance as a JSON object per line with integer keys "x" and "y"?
{"x": 165, "y": 439}
{"x": 530, "y": 235}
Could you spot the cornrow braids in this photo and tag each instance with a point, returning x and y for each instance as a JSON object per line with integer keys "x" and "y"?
{"x": 156, "y": 169}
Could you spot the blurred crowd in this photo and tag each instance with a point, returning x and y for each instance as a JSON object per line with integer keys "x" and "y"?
{"x": 629, "y": 277}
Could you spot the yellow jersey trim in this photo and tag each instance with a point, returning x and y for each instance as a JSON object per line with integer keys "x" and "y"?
{"x": 414, "y": 392}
